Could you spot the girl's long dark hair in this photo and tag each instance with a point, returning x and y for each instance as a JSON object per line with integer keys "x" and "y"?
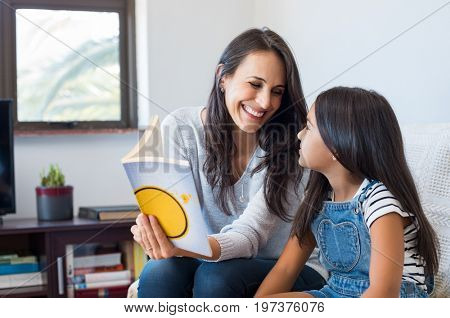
{"x": 277, "y": 137}
{"x": 362, "y": 130}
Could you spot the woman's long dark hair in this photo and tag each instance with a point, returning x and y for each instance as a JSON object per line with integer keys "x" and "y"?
{"x": 277, "y": 137}
{"x": 361, "y": 128}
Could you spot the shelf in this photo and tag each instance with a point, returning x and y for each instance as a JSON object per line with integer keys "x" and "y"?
{"x": 48, "y": 240}
{"x": 32, "y": 225}
{"x": 29, "y": 291}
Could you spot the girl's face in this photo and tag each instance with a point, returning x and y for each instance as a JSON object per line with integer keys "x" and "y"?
{"x": 253, "y": 93}
{"x": 314, "y": 154}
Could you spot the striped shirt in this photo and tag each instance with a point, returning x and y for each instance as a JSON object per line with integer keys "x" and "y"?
{"x": 380, "y": 201}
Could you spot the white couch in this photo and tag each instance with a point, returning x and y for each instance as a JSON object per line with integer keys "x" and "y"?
{"x": 427, "y": 150}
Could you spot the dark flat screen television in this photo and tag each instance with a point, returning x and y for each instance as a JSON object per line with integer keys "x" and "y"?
{"x": 7, "y": 190}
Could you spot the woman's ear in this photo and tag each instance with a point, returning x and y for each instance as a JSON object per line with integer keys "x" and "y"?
{"x": 219, "y": 69}
{"x": 220, "y": 78}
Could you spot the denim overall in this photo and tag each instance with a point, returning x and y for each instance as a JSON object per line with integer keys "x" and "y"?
{"x": 344, "y": 244}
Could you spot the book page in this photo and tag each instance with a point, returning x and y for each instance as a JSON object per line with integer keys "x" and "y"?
{"x": 149, "y": 145}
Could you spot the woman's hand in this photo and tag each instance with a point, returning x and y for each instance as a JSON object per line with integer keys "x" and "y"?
{"x": 149, "y": 234}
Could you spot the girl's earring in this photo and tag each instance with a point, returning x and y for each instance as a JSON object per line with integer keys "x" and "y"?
{"x": 222, "y": 90}
{"x": 334, "y": 158}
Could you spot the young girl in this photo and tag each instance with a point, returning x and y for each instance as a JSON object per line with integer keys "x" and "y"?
{"x": 361, "y": 207}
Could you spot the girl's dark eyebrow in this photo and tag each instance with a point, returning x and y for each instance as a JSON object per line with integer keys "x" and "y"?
{"x": 262, "y": 79}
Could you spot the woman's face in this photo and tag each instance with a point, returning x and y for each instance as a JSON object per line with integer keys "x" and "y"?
{"x": 253, "y": 93}
{"x": 314, "y": 154}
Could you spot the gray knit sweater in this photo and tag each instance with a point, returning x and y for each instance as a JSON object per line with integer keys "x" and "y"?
{"x": 250, "y": 230}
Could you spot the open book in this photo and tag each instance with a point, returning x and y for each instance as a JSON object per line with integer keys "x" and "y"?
{"x": 165, "y": 188}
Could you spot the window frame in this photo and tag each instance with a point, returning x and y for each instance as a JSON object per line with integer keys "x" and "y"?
{"x": 127, "y": 60}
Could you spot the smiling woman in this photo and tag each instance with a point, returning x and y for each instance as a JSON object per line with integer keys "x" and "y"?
{"x": 242, "y": 149}
{"x": 252, "y": 100}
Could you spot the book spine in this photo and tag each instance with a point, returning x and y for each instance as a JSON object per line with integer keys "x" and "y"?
{"x": 78, "y": 279}
{"x": 69, "y": 271}
{"x": 140, "y": 259}
{"x": 22, "y": 280}
{"x": 125, "y": 215}
{"x": 125, "y": 282}
{"x": 7, "y": 256}
{"x": 88, "y": 270}
{"x": 24, "y": 260}
{"x": 111, "y": 259}
{"x": 107, "y": 276}
{"x": 82, "y": 213}
{"x": 6, "y": 269}
{"x": 19, "y": 260}
{"x": 93, "y": 215}
{"x": 108, "y": 292}
{"x": 86, "y": 213}
{"x": 127, "y": 251}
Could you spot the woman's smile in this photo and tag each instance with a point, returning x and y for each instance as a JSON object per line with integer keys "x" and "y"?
{"x": 252, "y": 114}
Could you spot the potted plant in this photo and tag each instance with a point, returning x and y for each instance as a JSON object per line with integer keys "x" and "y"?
{"x": 54, "y": 198}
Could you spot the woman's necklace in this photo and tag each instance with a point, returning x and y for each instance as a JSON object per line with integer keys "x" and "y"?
{"x": 242, "y": 198}
{"x": 241, "y": 195}
{"x": 240, "y": 175}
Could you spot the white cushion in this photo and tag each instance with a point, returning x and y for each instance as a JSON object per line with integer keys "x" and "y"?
{"x": 133, "y": 290}
{"x": 427, "y": 149}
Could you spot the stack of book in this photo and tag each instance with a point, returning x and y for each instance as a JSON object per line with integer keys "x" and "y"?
{"x": 109, "y": 283}
{"x": 106, "y": 213}
{"x": 93, "y": 271}
{"x": 20, "y": 271}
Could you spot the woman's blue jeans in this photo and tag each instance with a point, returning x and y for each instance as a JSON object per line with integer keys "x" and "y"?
{"x": 188, "y": 277}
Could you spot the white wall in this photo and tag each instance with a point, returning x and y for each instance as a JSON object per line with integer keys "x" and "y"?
{"x": 91, "y": 164}
{"x": 328, "y": 37}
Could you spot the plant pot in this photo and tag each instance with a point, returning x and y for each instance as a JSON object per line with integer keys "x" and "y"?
{"x": 54, "y": 203}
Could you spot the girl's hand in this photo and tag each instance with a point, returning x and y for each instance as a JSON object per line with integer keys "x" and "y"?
{"x": 282, "y": 277}
{"x": 149, "y": 234}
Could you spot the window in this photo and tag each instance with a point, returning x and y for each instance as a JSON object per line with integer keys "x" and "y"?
{"x": 69, "y": 64}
